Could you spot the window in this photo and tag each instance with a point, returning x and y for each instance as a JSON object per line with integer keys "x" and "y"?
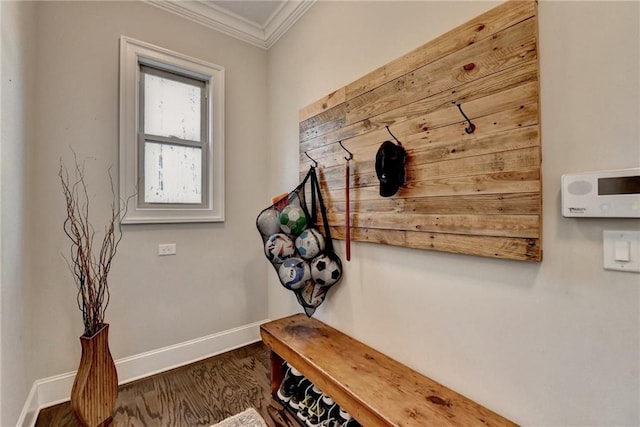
{"x": 171, "y": 136}
{"x": 173, "y": 139}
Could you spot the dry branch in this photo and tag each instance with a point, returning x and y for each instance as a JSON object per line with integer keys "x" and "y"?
{"x": 90, "y": 270}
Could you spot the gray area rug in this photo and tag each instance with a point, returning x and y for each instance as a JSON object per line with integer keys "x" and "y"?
{"x": 247, "y": 418}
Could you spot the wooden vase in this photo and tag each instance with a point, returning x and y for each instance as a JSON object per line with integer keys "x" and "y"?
{"x": 94, "y": 392}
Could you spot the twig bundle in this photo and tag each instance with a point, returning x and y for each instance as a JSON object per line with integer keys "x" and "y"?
{"x": 90, "y": 270}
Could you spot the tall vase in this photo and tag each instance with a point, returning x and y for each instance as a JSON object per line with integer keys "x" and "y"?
{"x": 94, "y": 392}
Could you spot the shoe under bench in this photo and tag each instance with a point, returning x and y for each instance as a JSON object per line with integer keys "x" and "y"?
{"x": 375, "y": 389}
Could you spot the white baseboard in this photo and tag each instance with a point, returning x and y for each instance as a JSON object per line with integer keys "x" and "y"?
{"x": 50, "y": 391}
{"x": 30, "y": 410}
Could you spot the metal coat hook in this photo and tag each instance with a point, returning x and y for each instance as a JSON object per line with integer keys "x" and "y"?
{"x": 394, "y": 137}
{"x": 315, "y": 164}
{"x": 469, "y": 129}
{"x": 350, "y": 153}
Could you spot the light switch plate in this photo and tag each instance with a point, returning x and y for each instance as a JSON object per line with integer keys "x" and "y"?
{"x": 616, "y": 241}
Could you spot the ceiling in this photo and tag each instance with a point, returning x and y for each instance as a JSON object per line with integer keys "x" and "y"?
{"x": 259, "y": 22}
{"x": 258, "y": 12}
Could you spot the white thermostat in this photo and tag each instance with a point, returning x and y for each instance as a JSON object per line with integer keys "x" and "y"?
{"x": 611, "y": 194}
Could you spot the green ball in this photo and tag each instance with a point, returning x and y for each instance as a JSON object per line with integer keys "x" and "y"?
{"x": 293, "y": 220}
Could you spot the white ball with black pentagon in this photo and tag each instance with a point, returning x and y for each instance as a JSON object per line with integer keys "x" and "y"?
{"x": 278, "y": 247}
{"x": 293, "y": 220}
{"x": 269, "y": 222}
{"x": 310, "y": 243}
{"x": 325, "y": 271}
{"x": 294, "y": 273}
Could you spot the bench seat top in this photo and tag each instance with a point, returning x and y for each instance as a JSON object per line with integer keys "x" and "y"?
{"x": 373, "y": 388}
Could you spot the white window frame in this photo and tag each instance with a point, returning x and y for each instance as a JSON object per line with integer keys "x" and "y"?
{"x": 132, "y": 54}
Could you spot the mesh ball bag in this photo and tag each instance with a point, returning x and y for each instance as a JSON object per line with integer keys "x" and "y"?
{"x": 302, "y": 256}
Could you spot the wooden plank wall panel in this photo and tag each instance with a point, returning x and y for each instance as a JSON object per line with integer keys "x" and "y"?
{"x": 478, "y": 193}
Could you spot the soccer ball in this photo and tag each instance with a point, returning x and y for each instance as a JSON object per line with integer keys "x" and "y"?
{"x": 268, "y": 222}
{"x": 278, "y": 247}
{"x": 325, "y": 270}
{"x": 310, "y": 243}
{"x": 294, "y": 273}
{"x": 312, "y": 295}
{"x": 293, "y": 220}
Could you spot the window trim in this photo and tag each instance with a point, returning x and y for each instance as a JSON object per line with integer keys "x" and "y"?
{"x": 133, "y": 53}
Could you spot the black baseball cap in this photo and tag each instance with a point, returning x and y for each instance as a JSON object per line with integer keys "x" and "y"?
{"x": 390, "y": 160}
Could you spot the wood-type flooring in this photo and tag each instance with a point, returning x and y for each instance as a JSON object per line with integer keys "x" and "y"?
{"x": 199, "y": 394}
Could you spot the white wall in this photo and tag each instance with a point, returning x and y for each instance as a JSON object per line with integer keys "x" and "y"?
{"x": 215, "y": 282}
{"x": 18, "y": 60}
{"x": 555, "y": 343}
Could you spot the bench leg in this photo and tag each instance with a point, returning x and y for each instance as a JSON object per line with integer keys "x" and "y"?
{"x": 277, "y": 373}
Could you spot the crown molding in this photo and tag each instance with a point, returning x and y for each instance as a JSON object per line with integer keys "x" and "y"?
{"x": 284, "y": 18}
{"x": 229, "y": 23}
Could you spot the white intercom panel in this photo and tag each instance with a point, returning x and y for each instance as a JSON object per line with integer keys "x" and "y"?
{"x": 611, "y": 194}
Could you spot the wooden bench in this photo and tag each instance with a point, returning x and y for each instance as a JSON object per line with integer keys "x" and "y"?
{"x": 375, "y": 389}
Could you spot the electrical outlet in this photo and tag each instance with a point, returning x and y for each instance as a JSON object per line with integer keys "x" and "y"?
{"x": 167, "y": 249}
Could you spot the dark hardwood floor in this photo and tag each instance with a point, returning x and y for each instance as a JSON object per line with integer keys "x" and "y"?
{"x": 200, "y": 394}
